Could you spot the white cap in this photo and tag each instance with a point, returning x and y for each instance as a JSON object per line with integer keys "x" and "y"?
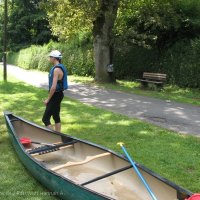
{"x": 55, "y": 54}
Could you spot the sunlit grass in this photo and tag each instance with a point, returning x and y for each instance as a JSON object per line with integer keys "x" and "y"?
{"x": 174, "y": 156}
{"x": 169, "y": 92}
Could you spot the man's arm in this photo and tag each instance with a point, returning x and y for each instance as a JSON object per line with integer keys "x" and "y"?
{"x": 54, "y": 84}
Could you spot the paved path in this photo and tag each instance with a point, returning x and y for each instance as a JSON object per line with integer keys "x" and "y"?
{"x": 174, "y": 116}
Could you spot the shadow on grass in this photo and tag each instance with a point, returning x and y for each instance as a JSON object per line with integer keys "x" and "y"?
{"x": 171, "y": 155}
{"x": 163, "y": 151}
{"x": 22, "y": 99}
{"x": 16, "y": 182}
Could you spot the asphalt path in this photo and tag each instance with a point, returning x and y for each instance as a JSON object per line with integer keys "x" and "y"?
{"x": 182, "y": 118}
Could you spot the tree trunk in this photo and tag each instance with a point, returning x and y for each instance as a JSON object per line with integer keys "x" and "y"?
{"x": 102, "y": 32}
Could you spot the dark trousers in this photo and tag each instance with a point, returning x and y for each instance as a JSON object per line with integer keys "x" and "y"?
{"x": 53, "y": 109}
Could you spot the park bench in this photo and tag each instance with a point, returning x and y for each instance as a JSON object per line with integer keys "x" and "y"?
{"x": 154, "y": 78}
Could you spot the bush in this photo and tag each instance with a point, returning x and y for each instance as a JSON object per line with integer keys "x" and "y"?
{"x": 182, "y": 63}
{"x": 132, "y": 63}
{"x": 77, "y": 56}
{"x": 13, "y": 58}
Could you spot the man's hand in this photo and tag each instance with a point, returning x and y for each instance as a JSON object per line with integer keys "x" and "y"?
{"x": 46, "y": 101}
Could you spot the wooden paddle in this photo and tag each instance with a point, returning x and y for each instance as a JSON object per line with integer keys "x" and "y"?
{"x": 88, "y": 159}
{"x": 26, "y": 141}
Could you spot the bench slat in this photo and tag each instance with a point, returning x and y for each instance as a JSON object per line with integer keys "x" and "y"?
{"x": 148, "y": 81}
{"x": 154, "y": 76}
{"x": 148, "y": 73}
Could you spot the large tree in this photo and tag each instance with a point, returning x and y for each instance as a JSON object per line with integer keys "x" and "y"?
{"x": 70, "y": 17}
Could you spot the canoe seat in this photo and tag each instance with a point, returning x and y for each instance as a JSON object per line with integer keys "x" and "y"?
{"x": 88, "y": 159}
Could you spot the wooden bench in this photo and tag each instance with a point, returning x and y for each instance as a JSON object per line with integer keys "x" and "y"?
{"x": 155, "y": 78}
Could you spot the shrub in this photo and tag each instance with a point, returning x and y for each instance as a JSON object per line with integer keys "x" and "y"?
{"x": 181, "y": 62}
{"x": 77, "y": 56}
{"x": 132, "y": 63}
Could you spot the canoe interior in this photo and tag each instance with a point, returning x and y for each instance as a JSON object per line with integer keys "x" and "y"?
{"x": 124, "y": 185}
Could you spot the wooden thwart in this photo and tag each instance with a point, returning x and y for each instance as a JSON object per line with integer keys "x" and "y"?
{"x": 106, "y": 175}
{"x": 88, "y": 159}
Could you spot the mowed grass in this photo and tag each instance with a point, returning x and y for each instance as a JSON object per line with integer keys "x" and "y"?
{"x": 168, "y": 92}
{"x": 175, "y": 157}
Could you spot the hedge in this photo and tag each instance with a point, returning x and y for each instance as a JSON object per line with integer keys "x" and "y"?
{"x": 78, "y": 59}
{"x": 181, "y": 62}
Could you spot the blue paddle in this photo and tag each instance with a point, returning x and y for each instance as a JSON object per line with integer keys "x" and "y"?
{"x": 137, "y": 171}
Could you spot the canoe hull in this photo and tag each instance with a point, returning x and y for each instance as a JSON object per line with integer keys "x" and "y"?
{"x": 63, "y": 187}
{"x": 60, "y": 187}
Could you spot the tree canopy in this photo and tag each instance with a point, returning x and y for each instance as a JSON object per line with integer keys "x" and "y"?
{"x": 141, "y": 27}
{"x": 155, "y": 23}
{"x": 142, "y": 22}
{"x": 158, "y": 23}
{"x": 72, "y": 17}
{"x": 27, "y": 24}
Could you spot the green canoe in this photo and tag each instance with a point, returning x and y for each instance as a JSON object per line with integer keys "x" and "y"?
{"x": 75, "y": 169}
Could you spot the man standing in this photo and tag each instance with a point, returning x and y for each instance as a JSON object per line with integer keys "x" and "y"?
{"x": 57, "y": 84}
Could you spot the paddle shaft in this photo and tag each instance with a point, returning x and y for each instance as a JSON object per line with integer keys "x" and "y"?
{"x": 51, "y": 150}
{"x": 138, "y": 173}
{"x": 42, "y": 143}
{"x": 25, "y": 141}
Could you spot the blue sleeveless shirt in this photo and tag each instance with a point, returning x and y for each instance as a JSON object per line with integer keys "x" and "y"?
{"x": 61, "y": 84}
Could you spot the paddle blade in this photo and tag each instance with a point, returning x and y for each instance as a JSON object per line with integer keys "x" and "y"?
{"x": 25, "y": 140}
{"x": 194, "y": 197}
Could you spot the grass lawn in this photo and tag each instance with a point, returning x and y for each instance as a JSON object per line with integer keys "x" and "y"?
{"x": 174, "y": 156}
{"x": 169, "y": 92}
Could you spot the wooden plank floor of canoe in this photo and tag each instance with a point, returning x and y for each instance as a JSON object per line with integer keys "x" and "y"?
{"x": 80, "y": 173}
{"x": 120, "y": 186}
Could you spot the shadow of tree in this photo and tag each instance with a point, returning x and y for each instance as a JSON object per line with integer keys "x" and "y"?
{"x": 159, "y": 149}
{"x": 22, "y": 99}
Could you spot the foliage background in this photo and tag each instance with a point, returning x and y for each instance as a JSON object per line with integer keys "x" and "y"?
{"x": 77, "y": 56}
{"x": 181, "y": 62}
{"x": 154, "y": 36}
{"x": 27, "y": 25}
